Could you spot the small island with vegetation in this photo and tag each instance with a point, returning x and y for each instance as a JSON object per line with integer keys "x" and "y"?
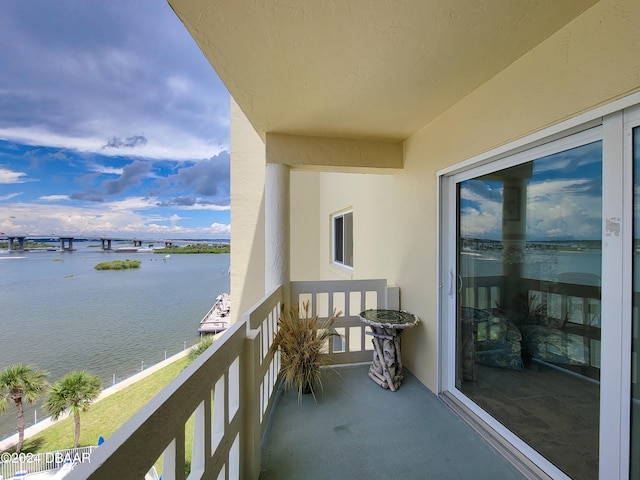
{"x": 29, "y": 245}
{"x": 118, "y": 265}
{"x": 196, "y": 248}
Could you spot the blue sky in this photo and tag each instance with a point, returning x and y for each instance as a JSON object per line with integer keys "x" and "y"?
{"x": 112, "y": 122}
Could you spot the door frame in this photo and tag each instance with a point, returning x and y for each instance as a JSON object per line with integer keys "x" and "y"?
{"x": 614, "y": 123}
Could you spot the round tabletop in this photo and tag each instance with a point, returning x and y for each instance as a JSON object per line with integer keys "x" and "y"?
{"x": 397, "y": 319}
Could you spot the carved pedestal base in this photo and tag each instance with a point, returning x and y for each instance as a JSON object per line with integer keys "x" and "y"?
{"x": 386, "y": 367}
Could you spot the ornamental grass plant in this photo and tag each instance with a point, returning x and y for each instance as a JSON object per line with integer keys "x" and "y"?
{"x": 301, "y": 339}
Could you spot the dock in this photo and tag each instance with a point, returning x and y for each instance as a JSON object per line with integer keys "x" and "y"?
{"x": 218, "y": 318}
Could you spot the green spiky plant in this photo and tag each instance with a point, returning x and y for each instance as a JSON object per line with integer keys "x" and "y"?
{"x": 301, "y": 339}
{"x": 205, "y": 342}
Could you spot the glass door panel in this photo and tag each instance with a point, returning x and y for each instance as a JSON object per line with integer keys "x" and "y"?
{"x": 635, "y": 342}
{"x": 528, "y": 307}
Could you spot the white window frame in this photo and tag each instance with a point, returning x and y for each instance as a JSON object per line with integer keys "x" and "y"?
{"x": 615, "y": 121}
{"x": 345, "y": 239}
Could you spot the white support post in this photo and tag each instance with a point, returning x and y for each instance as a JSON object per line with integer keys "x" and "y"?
{"x": 277, "y": 228}
{"x": 169, "y": 462}
{"x": 250, "y": 454}
{"x": 198, "y": 444}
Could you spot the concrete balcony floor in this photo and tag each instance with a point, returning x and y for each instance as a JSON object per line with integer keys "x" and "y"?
{"x": 359, "y": 430}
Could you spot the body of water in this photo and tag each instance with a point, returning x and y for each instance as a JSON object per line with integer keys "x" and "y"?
{"x": 537, "y": 264}
{"x": 60, "y": 314}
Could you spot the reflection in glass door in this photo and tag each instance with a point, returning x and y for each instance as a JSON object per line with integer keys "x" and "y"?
{"x": 528, "y": 320}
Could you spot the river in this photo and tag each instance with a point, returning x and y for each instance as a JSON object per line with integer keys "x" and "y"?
{"x": 60, "y": 314}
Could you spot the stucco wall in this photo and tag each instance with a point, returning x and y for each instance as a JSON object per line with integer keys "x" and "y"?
{"x": 592, "y": 61}
{"x": 305, "y": 230}
{"x": 247, "y": 214}
{"x": 367, "y": 195}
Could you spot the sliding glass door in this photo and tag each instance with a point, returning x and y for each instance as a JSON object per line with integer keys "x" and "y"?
{"x": 635, "y": 330}
{"x": 528, "y": 321}
{"x": 540, "y": 249}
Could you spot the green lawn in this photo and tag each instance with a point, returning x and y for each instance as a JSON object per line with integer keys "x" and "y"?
{"x": 107, "y": 415}
{"x": 110, "y": 413}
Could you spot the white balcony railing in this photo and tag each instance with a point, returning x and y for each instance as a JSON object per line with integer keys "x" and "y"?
{"x": 229, "y": 392}
{"x": 349, "y": 297}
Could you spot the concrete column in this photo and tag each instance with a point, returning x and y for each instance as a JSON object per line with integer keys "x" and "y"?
{"x": 21, "y": 244}
{"x": 10, "y": 248}
{"x": 63, "y": 241}
{"x": 276, "y": 228}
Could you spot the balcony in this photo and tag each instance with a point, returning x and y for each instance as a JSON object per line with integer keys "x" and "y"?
{"x": 245, "y": 427}
{"x": 359, "y": 430}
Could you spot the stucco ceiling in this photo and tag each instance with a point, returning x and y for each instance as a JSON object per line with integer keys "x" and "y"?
{"x": 363, "y": 68}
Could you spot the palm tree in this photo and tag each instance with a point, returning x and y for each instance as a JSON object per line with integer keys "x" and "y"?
{"x": 75, "y": 392}
{"x": 21, "y": 383}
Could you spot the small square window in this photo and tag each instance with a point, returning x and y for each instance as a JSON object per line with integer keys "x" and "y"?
{"x": 343, "y": 239}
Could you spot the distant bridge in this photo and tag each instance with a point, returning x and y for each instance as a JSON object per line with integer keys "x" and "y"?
{"x": 17, "y": 242}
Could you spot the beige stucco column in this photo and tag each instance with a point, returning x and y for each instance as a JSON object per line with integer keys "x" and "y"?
{"x": 276, "y": 229}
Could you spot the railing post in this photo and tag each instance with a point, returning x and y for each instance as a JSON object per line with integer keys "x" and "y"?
{"x": 250, "y": 455}
{"x": 169, "y": 462}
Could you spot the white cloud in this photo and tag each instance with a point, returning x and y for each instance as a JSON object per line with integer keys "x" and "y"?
{"x": 481, "y": 221}
{"x": 9, "y": 196}
{"x": 130, "y": 203}
{"x": 555, "y": 208}
{"x": 10, "y": 176}
{"x": 105, "y": 169}
{"x": 174, "y": 231}
{"x": 163, "y": 143}
{"x": 174, "y": 219}
{"x": 559, "y": 211}
{"x": 114, "y": 218}
{"x": 221, "y": 229}
{"x": 179, "y": 84}
{"x": 205, "y": 206}
{"x": 54, "y": 198}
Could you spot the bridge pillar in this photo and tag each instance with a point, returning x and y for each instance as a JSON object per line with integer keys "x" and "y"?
{"x": 137, "y": 243}
{"x": 12, "y": 246}
{"x": 63, "y": 241}
{"x": 168, "y": 244}
{"x": 106, "y": 243}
